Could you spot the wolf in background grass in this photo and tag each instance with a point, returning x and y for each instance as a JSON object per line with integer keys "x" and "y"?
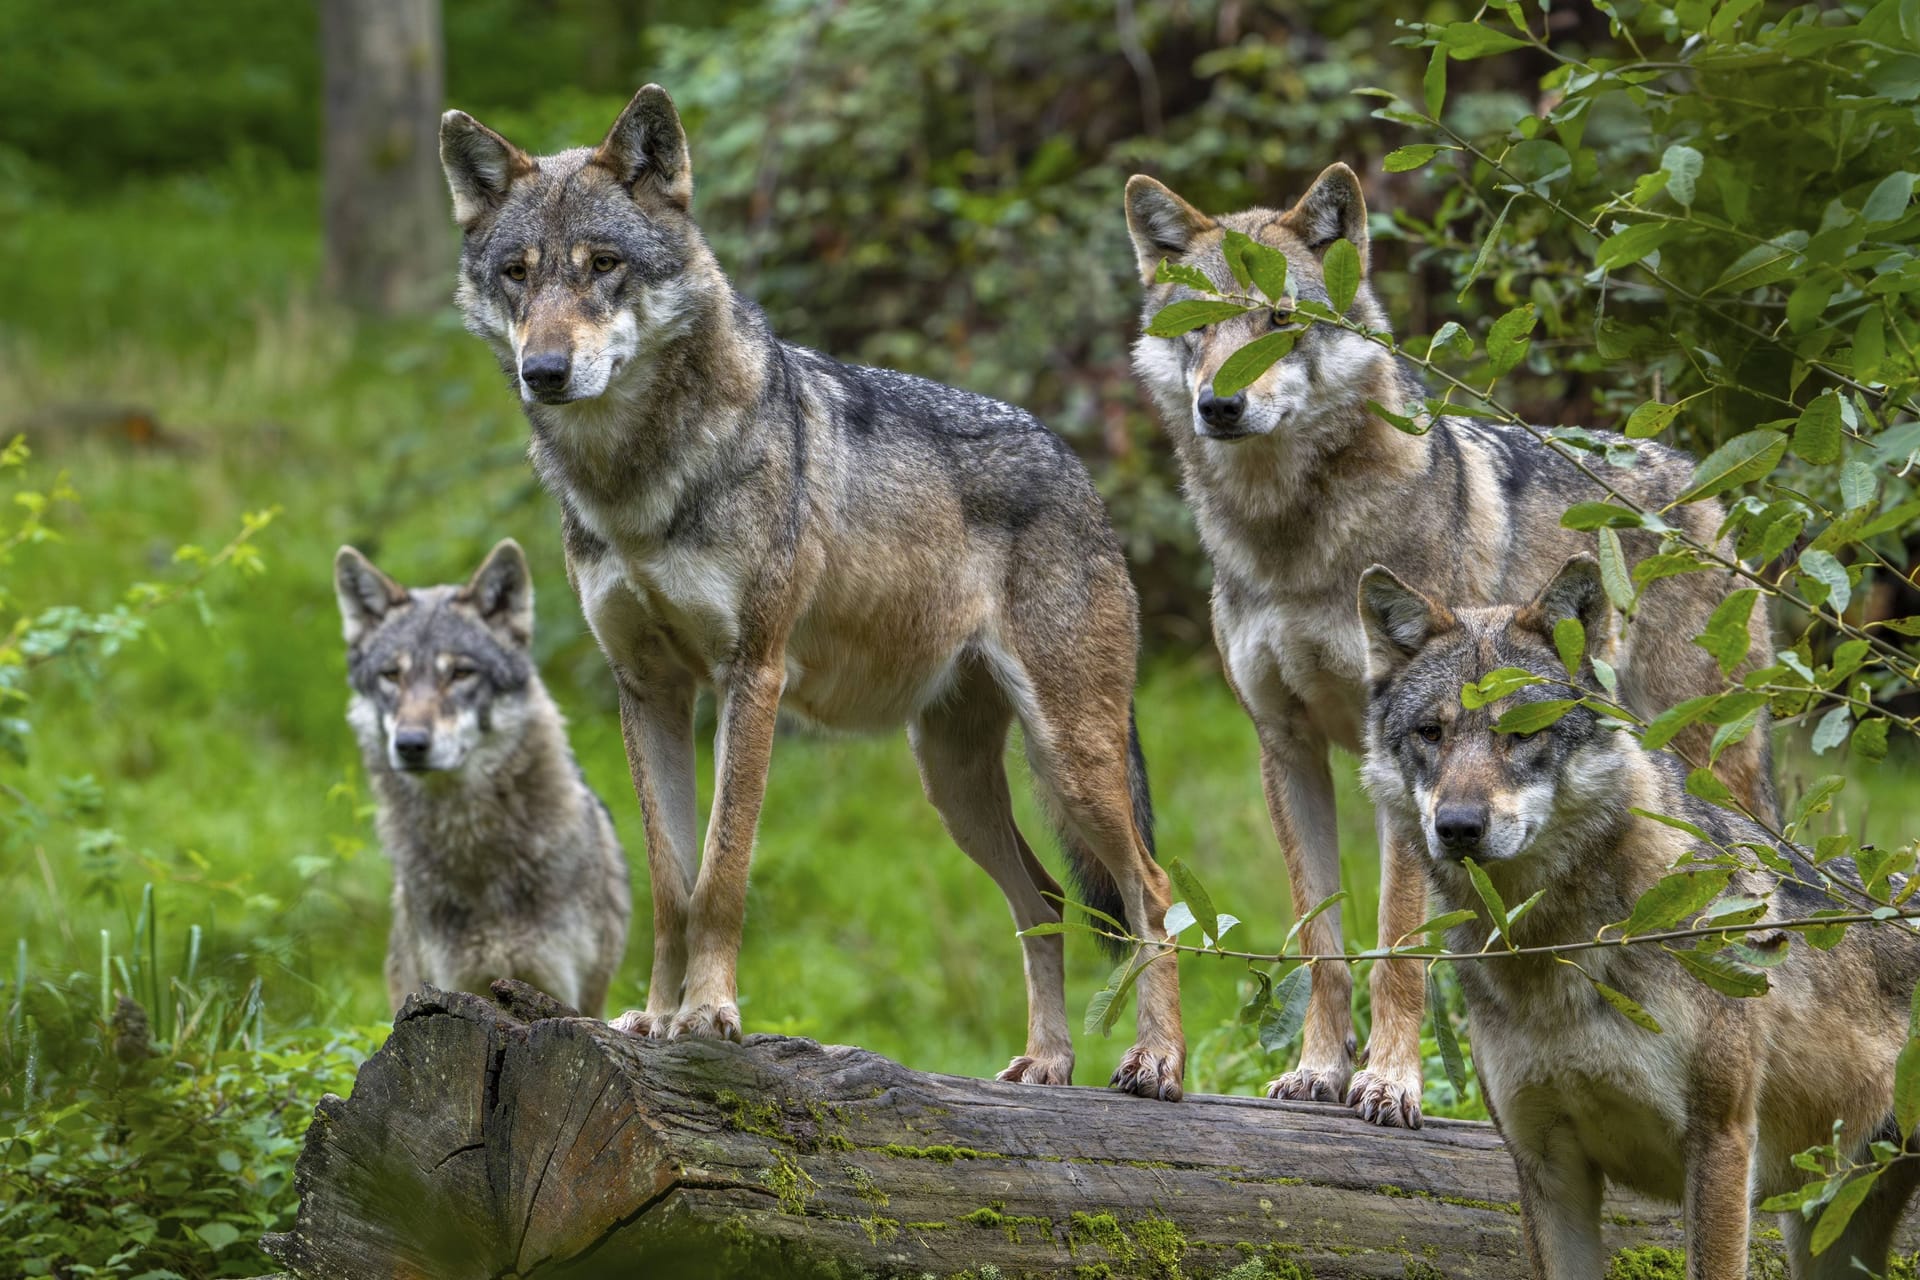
{"x": 505, "y": 864}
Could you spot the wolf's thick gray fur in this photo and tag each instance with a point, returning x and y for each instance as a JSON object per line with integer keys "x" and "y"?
{"x": 505, "y": 864}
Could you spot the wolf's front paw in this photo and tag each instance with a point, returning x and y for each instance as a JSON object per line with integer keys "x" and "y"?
{"x": 1394, "y": 1104}
{"x": 1044, "y": 1069}
{"x": 708, "y": 1022}
{"x": 1150, "y": 1073}
{"x": 1310, "y": 1084}
{"x": 641, "y": 1024}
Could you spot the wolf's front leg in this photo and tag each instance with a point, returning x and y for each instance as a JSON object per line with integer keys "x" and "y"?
{"x": 1387, "y": 1092}
{"x": 656, "y": 720}
{"x": 1560, "y": 1192}
{"x": 749, "y": 708}
{"x": 1719, "y": 1175}
{"x": 1299, "y": 789}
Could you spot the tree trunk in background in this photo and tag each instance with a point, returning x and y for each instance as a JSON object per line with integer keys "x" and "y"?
{"x": 389, "y": 229}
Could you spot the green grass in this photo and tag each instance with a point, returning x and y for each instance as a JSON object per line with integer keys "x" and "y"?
{"x": 225, "y": 773}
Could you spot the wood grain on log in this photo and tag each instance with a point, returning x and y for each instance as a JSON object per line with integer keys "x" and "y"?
{"x": 477, "y": 1144}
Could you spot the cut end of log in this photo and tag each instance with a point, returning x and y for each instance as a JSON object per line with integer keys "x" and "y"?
{"x": 489, "y": 1139}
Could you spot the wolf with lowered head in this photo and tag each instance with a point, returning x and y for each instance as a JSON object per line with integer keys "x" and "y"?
{"x": 1297, "y": 486}
{"x": 860, "y": 547}
{"x": 505, "y": 864}
{"x": 1710, "y": 1110}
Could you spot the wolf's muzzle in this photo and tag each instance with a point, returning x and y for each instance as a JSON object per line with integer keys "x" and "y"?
{"x": 1460, "y": 828}
{"x": 546, "y": 374}
{"x": 413, "y": 748}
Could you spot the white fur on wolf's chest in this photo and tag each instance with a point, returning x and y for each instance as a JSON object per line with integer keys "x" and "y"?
{"x": 1317, "y": 653}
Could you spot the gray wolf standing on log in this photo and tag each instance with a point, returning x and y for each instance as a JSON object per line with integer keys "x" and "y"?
{"x": 505, "y": 864}
{"x": 1297, "y": 487}
{"x": 1711, "y": 1110}
{"x": 859, "y": 546}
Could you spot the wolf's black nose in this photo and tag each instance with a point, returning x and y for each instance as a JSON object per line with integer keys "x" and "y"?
{"x": 1461, "y": 827}
{"x": 412, "y": 746}
{"x": 1221, "y": 411}
{"x": 545, "y": 372}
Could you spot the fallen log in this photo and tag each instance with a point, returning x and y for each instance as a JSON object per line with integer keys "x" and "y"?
{"x": 488, "y": 1139}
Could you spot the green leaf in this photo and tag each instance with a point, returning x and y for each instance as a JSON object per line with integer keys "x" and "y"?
{"x": 1486, "y": 246}
{"x": 1468, "y": 40}
{"x": 1195, "y": 894}
{"x": 1869, "y": 344}
{"x": 1673, "y": 898}
{"x": 1256, "y": 1005}
{"x": 1495, "y": 685}
{"x": 1233, "y": 247}
{"x": 1171, "y": 272}
{"x": 1489, "y": 895}
{"x": 1179, "y": 917}
{"x": 1244, "y": 367}
{"x": 1103, "y": 1009}
{"x": 1906, "y": 1087}
{"x": 1722, "y": 972}
{"x": 1824, "y": 568}
{"x": 1599, "y": 515}
{"x": 1703, "y": 782}
{"x": 1268, "y": 267}
{"x": 1816, "y": 436}
{"x": 1435, "y": 81}
{"x": 1450, "y": 1056}
{"x": 1508, "y": 340}
{"x": 1832, "y": 729}
{"x": 1405, "y": 159}
{"x": 1451, "y": 338}
{"x": 1744, "y": 458}
{"x": 1628, "y": 1008}
{"x": 1888, "y": 200}
{"x": 1626, "y": 247}
{"x": 1682, "y": 166}
{"x": 1819, "y": 799}
{"x": 1650, "y": 419}
{"x": 1570, "y": 642}
{"x": 1047, "y": 928}
{"x": 1808, "y": 302}
{"x": 1858, "y": 484}
{"x": 218, "y": 1235}
{"x": 1726, "y": 636}
{"x": 1288, "y": 1009}
{"x": 1341, "y": 269}
{"x": 1839, "y": 1211}
{"x": 1870, "y": 739}
{"x": 1194, "y": 313}
{"x": 1441, "y": 923}
{"x": 1531, "y": 717}
{"x": 1613, "y": 572}
{"x": 1760, "y": 265}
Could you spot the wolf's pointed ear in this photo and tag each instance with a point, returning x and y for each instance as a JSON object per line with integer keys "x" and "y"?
{"x": 366, "y": 594}
{"x": 647, "y": 145}
{"x": 501, "y": 592}
{"x": 1161, "y": 223}
{"x": 481, "y": 165}
{"x": 1397, "y": 620}
{"x": 1575, "y": 592}
{"x": 1333, "y": 209}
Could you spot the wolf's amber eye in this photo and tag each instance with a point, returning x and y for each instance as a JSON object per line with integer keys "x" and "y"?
{"x": 465, "y": 673}
{"x": 391, "y": 675}
{"x": 1429, "y": 732}
{"x": 515, "y": 271}
{"x": 1280, "y": 319}
{"x": 604, "y": 262}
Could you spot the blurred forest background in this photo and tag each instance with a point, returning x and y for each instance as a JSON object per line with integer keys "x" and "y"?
{"x": 925, "y": 185}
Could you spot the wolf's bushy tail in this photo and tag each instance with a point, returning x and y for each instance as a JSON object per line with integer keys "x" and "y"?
{"x": 1091, "y": 883}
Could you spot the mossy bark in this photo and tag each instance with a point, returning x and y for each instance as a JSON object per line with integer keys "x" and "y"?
{"x": 487, "y": 1140}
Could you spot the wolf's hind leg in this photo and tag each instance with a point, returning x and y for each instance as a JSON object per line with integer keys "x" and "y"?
{"x": 1387, "y": 1092}
{"x": 1868, "y": 1237}
{"x": 961, "y": 746}
{"x": 656, "y": 720}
